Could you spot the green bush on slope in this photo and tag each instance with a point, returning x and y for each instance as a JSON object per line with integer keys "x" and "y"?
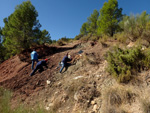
{"x": 123, "y": 62}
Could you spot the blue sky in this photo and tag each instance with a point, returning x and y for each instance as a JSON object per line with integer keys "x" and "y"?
{"x": 65, "y": 17}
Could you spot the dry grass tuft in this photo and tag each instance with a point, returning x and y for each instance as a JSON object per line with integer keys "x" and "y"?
{"x": 91, "y": 58}
{"x": 115, "y": 97}
{"x": 82, "y": 92}
{"x": 57, "y": 105}
{"x": 145, "y": 101}
{"x": 146, "y": 106}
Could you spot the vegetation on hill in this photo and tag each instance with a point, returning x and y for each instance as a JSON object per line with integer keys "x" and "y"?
{"x": 137, "y": 26}
{"x": 122, "y": 63}
{"x": 86, "y": 85}
{"x": 21, "y": 31}
{"x": 105, "y": 22}
{"x": 110, "y": 16}
{"x": 91, "y": 25}
{"x": 2, "y": 49}
{"x": 111, "y": 22}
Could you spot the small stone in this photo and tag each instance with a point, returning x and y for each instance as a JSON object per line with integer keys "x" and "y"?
{"x": 93, "y": 102}
{"x": 59, "y": 84}
{"x": 75, "y": 96}
{"x": 77, "y": 77}
{"x": 95, "y": 108}
{"x": 47, "y": 108}
{"x": 48, "y": 82}
{"x": 51, "y": 104}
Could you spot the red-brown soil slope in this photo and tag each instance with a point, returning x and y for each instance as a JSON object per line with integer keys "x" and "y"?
{"x": 14, "y": 72}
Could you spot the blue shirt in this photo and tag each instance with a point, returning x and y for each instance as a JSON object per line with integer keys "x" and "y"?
{"x": 34, "y": 55}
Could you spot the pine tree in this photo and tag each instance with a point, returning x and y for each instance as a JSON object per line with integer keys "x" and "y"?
{"x": 45, "y": 37}
{"x": 21, "y": 28}
{"x": 2, "y": 49}
{"x": 91, "y": 25}
{"x": 0, "y": 35}
{"x": 84, "y": 29}
{"x": 92, "y": 22}
{"x": 110, "y": 16}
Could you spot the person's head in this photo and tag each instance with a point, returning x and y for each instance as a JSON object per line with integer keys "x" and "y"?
{"x": 46, "y": 59}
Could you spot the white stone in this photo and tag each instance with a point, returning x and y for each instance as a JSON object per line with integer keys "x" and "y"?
{"x": 143, "y": 48}
{"x": 48, "y": 82}
{"x": 75, "y": 96}
{"x": 98, "y": 76}
{"x": 95, "y": 108}
{"x": 59, "y": 84}
{"x": 51, "y": 104}
{"x": 77, "y": 77}
{"x": 47, "y": 108}
{"x": 93, "y": 102}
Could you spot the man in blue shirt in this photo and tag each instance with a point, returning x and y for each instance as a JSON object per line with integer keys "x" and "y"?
{"x": 64, "y": 62}
{"x": 39, "y": 66}
{"x": 34, "y": 57}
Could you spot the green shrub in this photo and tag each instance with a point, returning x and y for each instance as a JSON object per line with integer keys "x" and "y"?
{"x": 78, "y": 37}
{"x": 142, "y": 42}
{"x": 145, "y": 35}
{"x": 94, "y": 38}
{"x": 121, "y": 37}
{"x": 86, "y": 37}
{"x": 121, "y": 63}
{"x": 136, "y": 26}
{"x": 60, "y": 43}
{"x": 147, "y": 57}
{"x": 63, "y": 41}
{"x": 104, "y": 38}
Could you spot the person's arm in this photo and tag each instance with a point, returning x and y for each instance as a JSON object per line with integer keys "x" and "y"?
{"x": 69, "y": 59}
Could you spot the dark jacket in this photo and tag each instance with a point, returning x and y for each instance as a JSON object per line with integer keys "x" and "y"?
{"x": 41, "y": 63}
{"x": 66, "y": 59}
{"x": 39, "y": 66}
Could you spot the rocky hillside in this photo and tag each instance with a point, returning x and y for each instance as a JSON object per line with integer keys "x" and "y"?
{"x": 85, "y": 87}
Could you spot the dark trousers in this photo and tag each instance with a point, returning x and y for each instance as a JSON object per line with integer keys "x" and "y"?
{"x": 64, "y": 65}
{"x": 38, "y": 67}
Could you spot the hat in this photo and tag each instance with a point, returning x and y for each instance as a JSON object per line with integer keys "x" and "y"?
{"x": 46, "y": 59}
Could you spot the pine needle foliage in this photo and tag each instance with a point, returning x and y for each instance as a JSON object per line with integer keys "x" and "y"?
{"x": 123, "y": 62}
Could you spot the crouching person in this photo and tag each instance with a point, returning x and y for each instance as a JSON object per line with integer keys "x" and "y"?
{"x": 64, "y": 62}
{"x": 39, "y": 66}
